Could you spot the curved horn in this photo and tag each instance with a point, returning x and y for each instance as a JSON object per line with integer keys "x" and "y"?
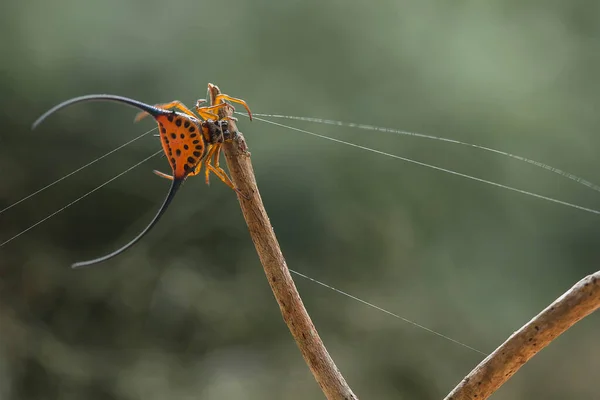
{"x": 175, "y": 185}
{"x": 154, "y": 111}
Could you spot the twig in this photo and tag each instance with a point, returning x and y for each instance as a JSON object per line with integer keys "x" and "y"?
{"x": 294, "y": 314}
{"x": 578, "y": 302}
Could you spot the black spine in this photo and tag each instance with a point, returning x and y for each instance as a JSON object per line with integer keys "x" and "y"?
{"x": 102, "y": 97}
{"x": 172, "y": 191}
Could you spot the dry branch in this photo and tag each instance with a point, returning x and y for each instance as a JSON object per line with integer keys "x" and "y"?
{"x": 578, "y": 302}
{"x": 294, "y": 314}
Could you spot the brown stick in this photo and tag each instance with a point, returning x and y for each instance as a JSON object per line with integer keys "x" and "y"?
{"x": 294, "y": 314}
{"x": 578, "y": 302}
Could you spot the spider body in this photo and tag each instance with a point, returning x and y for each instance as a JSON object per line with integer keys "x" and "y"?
{"x": 187, "y": 141}
{"x": 216, "y": 101}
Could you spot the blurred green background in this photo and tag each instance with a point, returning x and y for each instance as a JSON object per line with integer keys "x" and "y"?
{"x": 187, "y": 313}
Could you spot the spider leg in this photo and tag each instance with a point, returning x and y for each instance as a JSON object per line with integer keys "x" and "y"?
{"x": 207, "y": 162}
{"x": 213, "y": 165}
{"x": 163, "y": 175}
{"x": 222, "y": 175}
{"x": 166, "y": 106}
{"x": 220, "y": 172}
{"x": 206, "y": 112}
{"x": 215, "y": 160}
{"x": 220, "y": 97}
{"x": 198, "y": 168}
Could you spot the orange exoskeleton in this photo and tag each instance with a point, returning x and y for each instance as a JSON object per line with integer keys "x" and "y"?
{"x": 216, "y": 101}
{"x": 187, "y": 141}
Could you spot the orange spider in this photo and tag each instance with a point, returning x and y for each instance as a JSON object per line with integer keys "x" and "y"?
{"x": 188, "y": 141}
{"x": 207, "y": 113}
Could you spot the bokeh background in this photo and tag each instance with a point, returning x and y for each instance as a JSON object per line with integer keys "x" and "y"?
{"x": 187, "y": 313}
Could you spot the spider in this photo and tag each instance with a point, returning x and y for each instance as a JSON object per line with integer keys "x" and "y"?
{"x": 188, "y": 141}
{"x": 207, "y": 113}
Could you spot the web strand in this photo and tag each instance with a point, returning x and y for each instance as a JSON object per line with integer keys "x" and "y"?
{"x": 525, "y": 192}
{"x": 538, "y": 164}
{"x": 570, "y": 176}
{"x": 295, "y": 272}
{"x": 79, "y": 198}
{"x": 383, "y": 310}
{"x": 74, "y": 172}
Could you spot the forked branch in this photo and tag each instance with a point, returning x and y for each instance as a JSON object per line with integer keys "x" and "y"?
{"x": 294, "y": 314}
{"x": 578, "y": 302}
